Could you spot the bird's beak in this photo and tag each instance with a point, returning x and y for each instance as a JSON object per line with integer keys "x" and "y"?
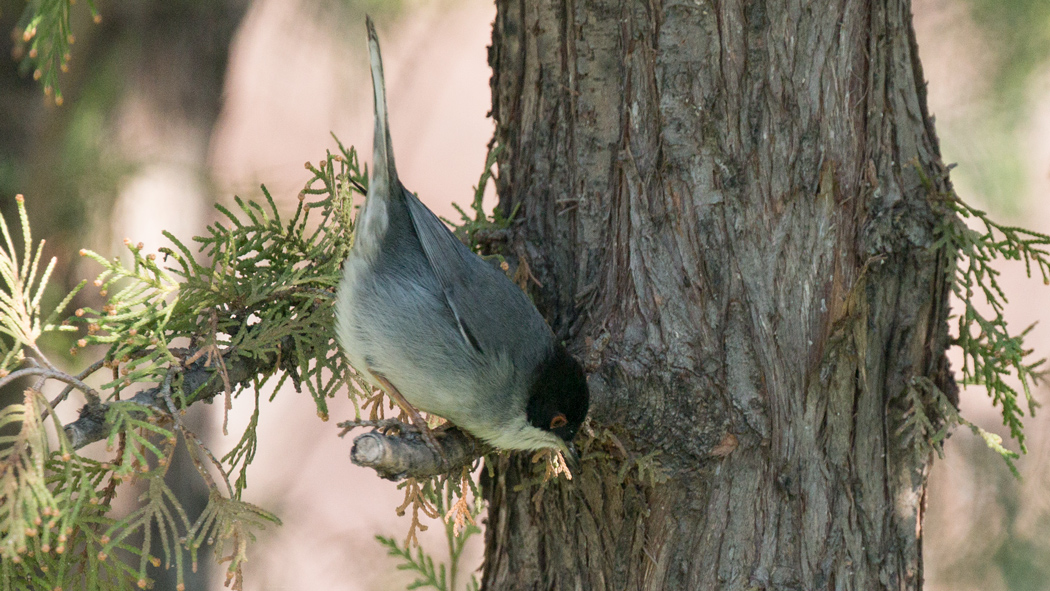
{"x": 572, "y": 457}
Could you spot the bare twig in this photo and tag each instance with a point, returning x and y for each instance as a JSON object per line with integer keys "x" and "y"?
{"x": 41, "y": 357}
{"x": 197, "y": 446}
{"x": 68, "y": 389}
{"x": 380, "y": 424}
{"x": 406, "y": 455}
{"x": 80, "y": 376}
{"x": 165, "y": 395}
{"x": 46, "y": 372}
{"x": 198, "y": 383}
{"x": 212, "y": 355}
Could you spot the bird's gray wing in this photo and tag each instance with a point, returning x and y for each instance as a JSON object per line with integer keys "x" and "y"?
{"x": 487, "y": 306}
{"x": 450, "y": 259}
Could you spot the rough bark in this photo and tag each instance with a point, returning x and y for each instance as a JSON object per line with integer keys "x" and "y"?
{"x": 731, "y": 208}
{"x": 403, "y": 453}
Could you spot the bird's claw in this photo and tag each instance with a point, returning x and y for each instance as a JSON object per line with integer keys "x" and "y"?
{"x": 432, "y": 443}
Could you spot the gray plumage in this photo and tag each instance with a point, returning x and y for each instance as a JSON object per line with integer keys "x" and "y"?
{"x": 450, "y": 332}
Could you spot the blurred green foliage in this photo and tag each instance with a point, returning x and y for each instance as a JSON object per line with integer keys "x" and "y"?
{"x": 1020, "y": 34}
{"x": 988, "y": 141}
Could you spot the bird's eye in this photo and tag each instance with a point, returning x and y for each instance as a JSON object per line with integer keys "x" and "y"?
{"x": 559, "y": 420}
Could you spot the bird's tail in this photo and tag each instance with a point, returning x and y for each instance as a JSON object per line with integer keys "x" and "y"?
{"x": 383, "y": 180}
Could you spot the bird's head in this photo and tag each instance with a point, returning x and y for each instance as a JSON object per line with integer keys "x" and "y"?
{"x": 558, "y": 398}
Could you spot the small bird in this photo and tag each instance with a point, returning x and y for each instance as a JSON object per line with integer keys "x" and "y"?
{"x": 440, "y": 330}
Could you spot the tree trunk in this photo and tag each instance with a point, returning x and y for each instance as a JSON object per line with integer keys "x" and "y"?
{"x": 731, "y": 208}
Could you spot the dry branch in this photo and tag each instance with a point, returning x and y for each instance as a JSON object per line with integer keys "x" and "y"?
{"x": 402, "y": 453}
{"x": 199, "y": 383}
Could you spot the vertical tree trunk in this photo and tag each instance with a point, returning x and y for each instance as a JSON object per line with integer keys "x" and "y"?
{"x": 731, "y": 208}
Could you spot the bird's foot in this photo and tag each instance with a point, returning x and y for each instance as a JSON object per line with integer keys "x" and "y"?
{"x": 417, "y": 420}
{"x": 428, "y": 437}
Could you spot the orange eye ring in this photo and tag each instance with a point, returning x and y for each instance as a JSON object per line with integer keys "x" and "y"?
{"x": 559, "y": 420}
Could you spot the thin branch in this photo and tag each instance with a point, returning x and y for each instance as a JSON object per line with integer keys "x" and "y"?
{"x": 165, "y": 394}
{"x": 405, "y": 454}
{"x": 46, "y": 373}
{"x": 41, "y": 356}
{"x": 198, "y": 384}
{"x": 80, "y": 376}
{"x": 198, "y": 446}
{"x": 379, "y": 424}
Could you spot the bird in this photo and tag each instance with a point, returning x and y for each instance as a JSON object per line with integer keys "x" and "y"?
{"x": 439, "y": 329}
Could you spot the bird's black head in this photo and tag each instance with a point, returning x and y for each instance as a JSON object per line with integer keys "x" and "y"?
{"x": 558, "y": 397}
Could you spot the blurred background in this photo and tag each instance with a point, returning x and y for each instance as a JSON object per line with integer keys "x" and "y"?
{"x": 172, "y": 106}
